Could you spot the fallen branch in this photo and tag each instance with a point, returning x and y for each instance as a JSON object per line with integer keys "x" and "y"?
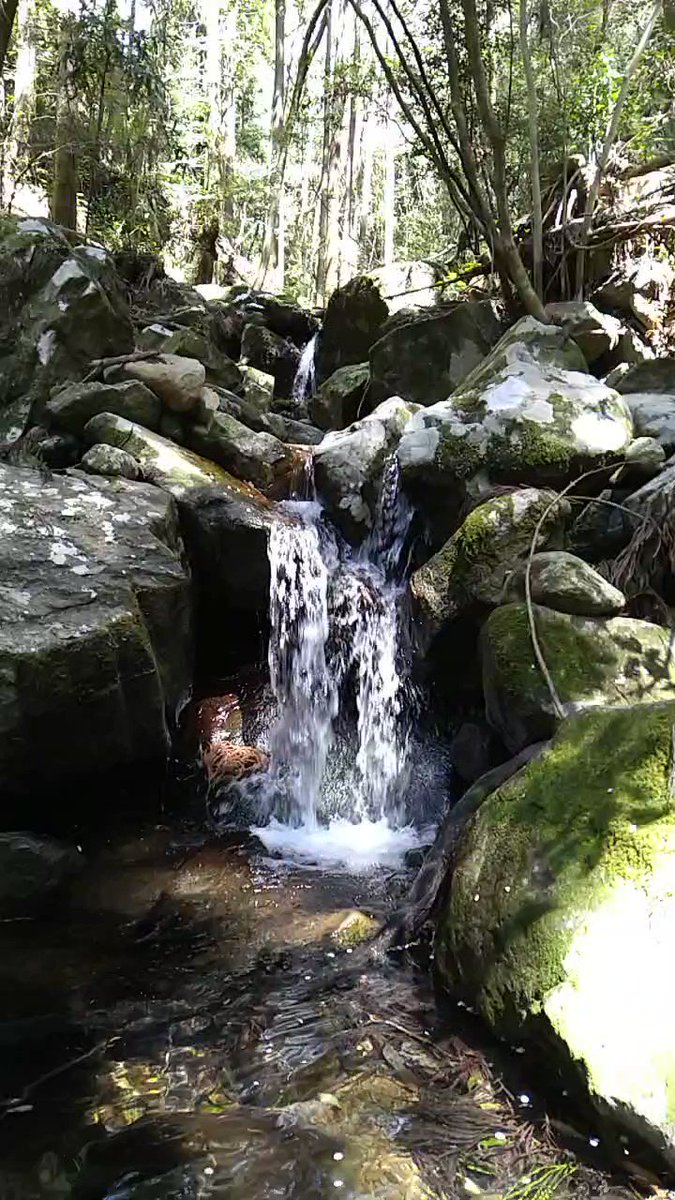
{"x": 98, "y": 365}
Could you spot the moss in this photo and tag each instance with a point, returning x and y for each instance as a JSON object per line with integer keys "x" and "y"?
{"x": 548, "y": 846}
{"x": 529, "y": 449}
{"x": 470, "y": 406}
{"x": 457, "y": 456}
{"x": 579, "y": 660}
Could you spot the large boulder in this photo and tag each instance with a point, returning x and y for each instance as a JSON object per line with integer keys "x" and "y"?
{"x": 594, "y": 332}
{"x": 95, "y": 639}
{"x": 469, "y": 572}
{"x": 398, "y": 281}
{"x": 192, "y": 343}
{"x": 163, "y": 463}
{"x": 353, "y": 321}
{"x": 74, "y": 405}
{"x": 258, "y": 458}
{"x": 272, "y": 354}
{"x": 559, "y": 918}
{"x": 566, "y": 583}
{"x": 425, "y": 359}
{"x": 528, "y": 414}
{"x": 60, "y": 307}
{"x": 178, "y": 381}
{"x": 336, "y": 403}
{"x": 591, "y": 661}
{"x": 348, "y": 466}
{"x": 654, "y": 376}
{"x": 654, "y": 416}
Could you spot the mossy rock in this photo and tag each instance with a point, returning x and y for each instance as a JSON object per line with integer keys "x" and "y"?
{"x": 559, "y": 923}
{"x": 591, "y": 661}
{"x": 337, "y": 401}
{"x": 354, "y": 317}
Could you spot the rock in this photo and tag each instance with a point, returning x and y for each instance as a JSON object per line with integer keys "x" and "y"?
{"x": 298, "y": 433}
{"x": 225, "y": 762}
{"x": 646, "y": 452}
{"x": 108, "y": 460}
{"x": 169, "y": 466}
{"x": 630, "y": 349}
{"x": 60, "y": 307}
{"x": 527, "y": 414}
{"x": 271, "y": 354}
{"x": 470, "y": 570}
{"x": 56, "y": 450}
{"x": 475, "y": 749}
{"x": 209, "y": 402}
{"x": 354, "y": 317}
{"x": 399, "y": 280}
{"x": 591, "y": 661}
{"x": 654, "y": 416}
{"x": 95, "y": 641}
{"x": 258, "y": 388}
{"x": 642, "y": 290}
{"x": 594, "y": 332}
{"x": 348, "y": 466}
{"x": 193, "y": 344}
{"x": 566, "y": 583}
{"x": 289, "y": 320}
{"x": 258, "y": 458}
{"x": 655, "y": 376}
{"x": 177, "y": 381}
{"x": 426, "y": 359}
{"x": 559, "y": 917}
{"x": 77, "y": 403}
{"x": 32, "y": 870}
{"x": 337, "y": 401}
{"x": 174, "y": 426}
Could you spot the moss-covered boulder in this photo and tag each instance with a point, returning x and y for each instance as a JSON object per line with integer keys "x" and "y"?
{"x": 71, "y": 407}
{"x": 471, "y": 569}
{"x": 337, "y": 401}
{"x": 259, "y": 458}
{"x": 188, "y": 342}
{"x": 426, "y": 358}
{"x": 559, "y": 922}
{"x": 61, "y": 305}
{"x": 591, "y": 661}
{"x": 530, "y": 413}
{"x": 562, "y": 581}
{"x": 354, "y": 317}
{"x": 111, "y": 462}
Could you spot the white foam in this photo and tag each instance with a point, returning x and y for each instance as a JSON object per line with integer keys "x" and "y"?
{"x": 355, "y": 848}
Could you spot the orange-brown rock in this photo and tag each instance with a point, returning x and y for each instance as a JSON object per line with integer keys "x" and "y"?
{"x": 224, "y": 761}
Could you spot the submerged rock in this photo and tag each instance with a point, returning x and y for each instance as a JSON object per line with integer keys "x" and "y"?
{"x": 95, "y": 615}
{"x": 559, "y": 922}
{"x": 591, "y": 661}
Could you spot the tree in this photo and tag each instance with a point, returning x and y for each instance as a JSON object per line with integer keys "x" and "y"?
{"x": 7, "y": 16}
{"x": 64, "y": 193}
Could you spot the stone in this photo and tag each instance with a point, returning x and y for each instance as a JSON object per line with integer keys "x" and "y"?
{"x": 258, "y": 387}
{"x": 558, "y": 923}
{"x": 475, "y": 749}
{"x": 72, "y": 406}
{"x": 348, "y": 466}
{"x": 424, "y": 360}
{"x": 566, "y": 583}
{"x": 594, "y": 332}
{"x": 60, "y": 307}
{"x": 469, "y": 572}
{"x": 591, "y": 661}
{"x": 289, "y": 320}
{"x": 400, "y": 280}
{"x": 642, "y": 289}
{"x": 33, "y": 870}
{"x": 354, "y": 317}
{"x": 108, "y": 460}
{"x": 208, "y": 403}
{"x": 163, "y": 463}
{"x": 297, "y": 433}
{"x": 654, "y": 416}
{"x": 258, "y": 458}
{"x": 646, "y": 452}
{"x": 177, "y": 381}
{"x": 95, "y": 626}
{"x": 654, "y": 376}
{"x": 57, "y": 451}
{"x": 336, "y": 403}
{"x": 271, "y": 354}
{"x": 528, "y": 414}
{"x": 193, "y": 344}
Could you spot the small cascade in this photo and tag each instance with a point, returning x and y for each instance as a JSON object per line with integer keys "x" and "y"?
{"x": 305, "y": 377}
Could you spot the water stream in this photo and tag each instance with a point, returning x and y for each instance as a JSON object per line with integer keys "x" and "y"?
{"x": 305, "y": 378}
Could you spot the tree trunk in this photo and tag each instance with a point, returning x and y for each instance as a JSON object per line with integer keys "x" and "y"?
{"x": 7, "y": 15}
{"x": 64, "y": 194}
{"x": 389, "y": 199}
{"x": 535, "y": 179}
{"x": 273, "y": 251}
{"x": 322, "y": 263}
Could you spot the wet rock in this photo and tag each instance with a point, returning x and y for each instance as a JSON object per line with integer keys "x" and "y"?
{"x": 60, "y": 307}
{"x": 226, "y": 530}
{"x": 95, "y": 612}
{"x": 193, "y": 344}
{"x": 591, "y": 661}
{"x": 475, "y": 749}
{"x": 425, "y": 359}
{"x": 348, "y": 466}
{"x": 528, "y": 414}
{"x": 258, "y": 458}
{"x": 594, "y": 332}
{"x": 337, "y": 401}
{"x": 354, "y": 317}
{"x": 566, "y": 583}
{"x": 271, "y": 354}
{"x": 74, "y": 405}
{"x": 654, "y": 415}
{"x": 472, "y": 567}
{"x": 258, "y": 388}
{"x": 289, "y": 320}
{"x": 177, "y": 381}
{"x": 108, "y": 460}
{"x": 33, "y": 870}
{"x": 224, "y": 762}
{"x": 355, "y": 928}
{"x": 560, "y": 905}
{"x": 163, "y": 463}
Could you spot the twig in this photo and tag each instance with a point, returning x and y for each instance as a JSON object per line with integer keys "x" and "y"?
{"x": 118, "y": 360}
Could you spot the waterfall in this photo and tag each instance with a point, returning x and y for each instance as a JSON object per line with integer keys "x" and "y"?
{"x": 335, "y": 649}
{"x": 304, "y": 382}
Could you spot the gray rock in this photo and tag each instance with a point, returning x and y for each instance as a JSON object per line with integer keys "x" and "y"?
{"x": 95, "y": 640}
{"x": 108, "y": 460}
{"x": 165, "y": 464}
{"x": 398, "y": 281}
{"x": 654, "y": 415}
{"x": 475, "y": 749}
{"x": 337, "y": 401}
{"x": 272, "y": 355}
{"x": 426, "y": 359}
{"x": 74, "y": 405}
{"x": 566, "y": 583}
{"x": 298, "y": 433}
{"x": 594, "y": 332}
{"x": 258, "y": 458}
{"x": 352, "y": 323}
{"x": 258, "y": 387}
{"x": 655, "y": 376}
{"x": 348, "y": 466}
{"x": 176, "y": 380}
{"x": 193, "y": 344}
{"x": 33, "y": 870}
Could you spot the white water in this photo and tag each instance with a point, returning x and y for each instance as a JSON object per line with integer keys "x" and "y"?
{"x": 305, "y": 377}
{"x": 335, "y": 646}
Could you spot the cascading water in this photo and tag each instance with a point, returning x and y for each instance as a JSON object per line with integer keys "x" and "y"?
{"x": 335, "y": 647}
{"x": 305, "y": 376}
